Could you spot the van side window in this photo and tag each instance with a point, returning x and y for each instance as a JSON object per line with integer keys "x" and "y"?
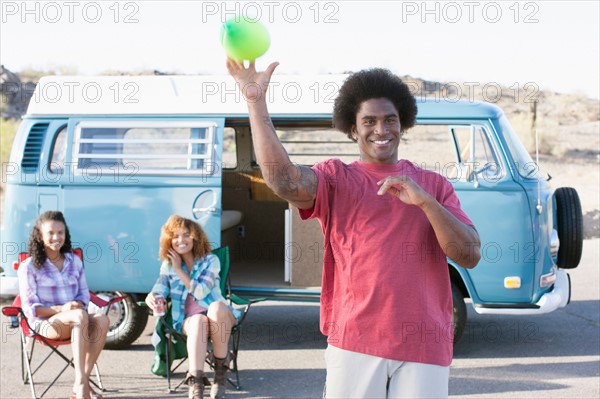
{"x": 476, "y": 150}
{"x": 455, "y": 151}
{"x": 147, "y": 148}
{"x": 310, "y": 145}
{"x": 59, "y": 152}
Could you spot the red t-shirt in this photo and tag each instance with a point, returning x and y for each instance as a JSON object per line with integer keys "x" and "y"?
{"x": 385, "y": 289}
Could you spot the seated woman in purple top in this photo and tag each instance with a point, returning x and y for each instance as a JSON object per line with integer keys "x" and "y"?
{"x": 55, "y": 296}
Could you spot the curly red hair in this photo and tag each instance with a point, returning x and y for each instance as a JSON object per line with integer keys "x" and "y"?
{"x": 201, "y": 245}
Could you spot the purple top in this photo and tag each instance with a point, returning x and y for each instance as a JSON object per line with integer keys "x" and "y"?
{"x": 49, "y": 286}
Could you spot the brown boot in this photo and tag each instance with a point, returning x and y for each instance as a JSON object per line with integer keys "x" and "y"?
{"x": 195, "y": 381}
{"x": 217, "y": 391}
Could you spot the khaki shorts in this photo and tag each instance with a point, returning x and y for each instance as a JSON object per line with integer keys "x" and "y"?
{"x": 356, "y": 375}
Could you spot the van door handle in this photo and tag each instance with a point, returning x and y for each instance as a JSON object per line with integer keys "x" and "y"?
{"x": 210, "y": 209}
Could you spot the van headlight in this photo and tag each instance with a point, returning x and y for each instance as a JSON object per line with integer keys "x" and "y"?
{"x": 554, "y": 243}
{"x": 548, "y": 279}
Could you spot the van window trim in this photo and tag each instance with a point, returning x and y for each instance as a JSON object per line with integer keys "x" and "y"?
{"x": 211, "y": 126}
{"x": 52, "y": 165}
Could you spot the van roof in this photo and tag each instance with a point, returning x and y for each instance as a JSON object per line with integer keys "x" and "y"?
{"x": 175, "y": 95}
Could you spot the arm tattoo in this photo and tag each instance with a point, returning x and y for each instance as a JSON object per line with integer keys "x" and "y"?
{"x": 293, "y": 182}
{"x": 297, "y": 183}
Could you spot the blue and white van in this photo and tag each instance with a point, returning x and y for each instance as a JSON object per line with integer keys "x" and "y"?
{"x": 119, "y": 154}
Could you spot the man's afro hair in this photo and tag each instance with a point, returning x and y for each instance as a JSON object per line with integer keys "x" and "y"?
{"x": 366, "y": 85}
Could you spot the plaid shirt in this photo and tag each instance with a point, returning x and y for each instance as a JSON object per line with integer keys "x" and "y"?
{"x": 205, "y": 286}
{"x": 49, "y": 286}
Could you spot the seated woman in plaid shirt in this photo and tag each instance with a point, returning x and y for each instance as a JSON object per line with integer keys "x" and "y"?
{"x": 189, "y": 274}
{"x": 55, "y": 297}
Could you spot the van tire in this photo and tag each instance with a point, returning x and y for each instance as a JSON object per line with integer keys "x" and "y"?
{"x": 459, "y": 312}
{"x": 569, "y": 223}
{"x": 127, "y": 321}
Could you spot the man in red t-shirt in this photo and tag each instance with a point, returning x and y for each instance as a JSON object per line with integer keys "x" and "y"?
{"x": 386, "y": 304}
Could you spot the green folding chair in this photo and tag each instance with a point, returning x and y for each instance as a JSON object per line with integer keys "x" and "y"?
{"x": 172, "y": 346}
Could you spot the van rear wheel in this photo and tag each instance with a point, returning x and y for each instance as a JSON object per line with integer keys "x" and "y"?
{"x": 127, "y": 321}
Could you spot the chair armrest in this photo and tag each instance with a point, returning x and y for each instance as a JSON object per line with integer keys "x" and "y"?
{"x": 238, "y": 300}
{"x": 16, "y": 316}
{"x": 101, "y": 303}
{"x": 12, "y": 311}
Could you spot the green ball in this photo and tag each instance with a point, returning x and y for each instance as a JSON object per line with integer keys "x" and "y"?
{"x": 244, "y": 39}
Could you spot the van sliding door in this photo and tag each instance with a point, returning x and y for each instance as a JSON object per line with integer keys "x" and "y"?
{"x": 127, "y": 176}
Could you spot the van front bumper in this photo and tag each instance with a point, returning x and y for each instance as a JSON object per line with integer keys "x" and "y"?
{"x": 9, "y": 286}
{"x": 558, "y": 298}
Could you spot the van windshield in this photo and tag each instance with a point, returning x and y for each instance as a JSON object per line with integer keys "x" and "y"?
{"x": 525, "y": 166}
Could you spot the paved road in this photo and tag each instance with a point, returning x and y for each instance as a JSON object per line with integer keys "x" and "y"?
{"x": 547, "y": 356}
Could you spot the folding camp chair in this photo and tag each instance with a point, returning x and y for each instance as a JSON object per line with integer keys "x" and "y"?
{"x": 29, "y": 338}
{"x": 175, "y": 342}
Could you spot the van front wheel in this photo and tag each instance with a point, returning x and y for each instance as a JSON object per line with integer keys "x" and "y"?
{"x": 570, "y": 227}
{"x": 127, "y": 321}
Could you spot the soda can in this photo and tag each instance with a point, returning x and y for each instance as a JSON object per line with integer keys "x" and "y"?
{"x": 159, "y": 308}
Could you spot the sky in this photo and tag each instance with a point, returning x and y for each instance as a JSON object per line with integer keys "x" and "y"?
{"x": 551, "y": 45}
